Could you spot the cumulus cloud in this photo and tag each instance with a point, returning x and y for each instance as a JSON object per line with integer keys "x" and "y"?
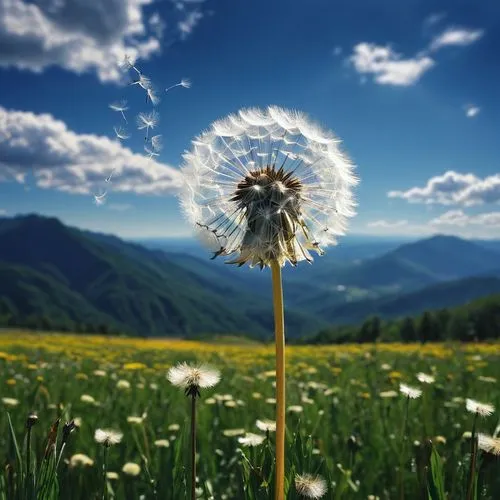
{"x": 456, "y": 37}
{"x": 460, "y": 218}
{"x": 471, "y": 111}
{"x": 389, "y": 67}
{"x": 453, "y": 188}
{"x": 385, "y": 224}
{"x": 81, "y": 36}
{"x": 60, "y": 159}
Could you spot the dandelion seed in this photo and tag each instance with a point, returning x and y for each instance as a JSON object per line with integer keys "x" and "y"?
{"x": 193, "y": 378}
{"x": 128, "y": 62}
{"x": 309, "y": 486}
{"x": 489, "y": 444}
{"x": 108, "y": 437}
{"x": 142, "y": 81}
{"x": 410, "y": 392}
{"x": 121, "y": 133}
{"x": 120, "y": 107}
{"x": 152, "y": 96}
{"x": 150, "y": 152}
{"x": 157, "y": 142}
{"x": 266, "y": 425}
{"x": 425, "y": 378}
{"x": 131, "y": 469}
{"x": 185, "y": 82}
{"x": 251, "y": 439}
{"x": 80, "y": 460}
{"x": 481, "y": 409}
{"x": 147, "y": 121}
{"x": 100, "y": 199}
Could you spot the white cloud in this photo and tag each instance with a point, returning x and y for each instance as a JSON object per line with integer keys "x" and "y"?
{"x": 61, "y": 159}
{"x": 190, "y": 21}
{"x": 387, "y": 66}
{"x": 456, "y": 37}
{"x": 460, "y": 218}
{"x": 453, "y": 188}
{"x": 385, "y": 224}
{"x": 471, "y": 111}
{"x": 83, "y": 35}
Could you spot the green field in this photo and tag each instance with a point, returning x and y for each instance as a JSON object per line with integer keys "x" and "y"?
{"x": 346, "y": 418}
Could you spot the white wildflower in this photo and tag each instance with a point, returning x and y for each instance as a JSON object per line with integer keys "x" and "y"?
{"x": 107, "y": 437}
{"x": 425, "y": 378}
{"x": 12, "y": 402}
{"x": 131, "y": 469}
{"x": 80, "y": 460}
{"x": 410, "y": 392}
{"x": 266, "y": 425}
{"x": 481, "y": 409}
{"x": 309, "y": 486}
{"x": 192, "y": 378}
{"x": 489, "y": 444}
{"x": 251, "y": 439}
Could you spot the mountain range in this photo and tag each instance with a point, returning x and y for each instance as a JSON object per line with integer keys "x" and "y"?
{"x": 155, "y": 288}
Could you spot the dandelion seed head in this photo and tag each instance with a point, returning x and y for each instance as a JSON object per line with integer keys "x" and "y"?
{"x": 266, "y": 425}
{"x": 410, "y": 392}
{"x": 263, "y": 199}
{"x": 193, "y": 378}
{"x": 251, "y": 439}
{"x": 162, "y": 443}
{"x": 121, "y": 133}
{"x": 108, "y": 437}
{"x": 123, "y": 385}
{"x": 148, "y": 120}
{"x": 489, "y": 444}
{"x": 131, "y": 469}
{"x": 11, "y": 402}
{"x": 481, "y": 409}
{"x": 425, "y": 378}
{"x": 80, "y": 460}
{"x": 310, "y": 486}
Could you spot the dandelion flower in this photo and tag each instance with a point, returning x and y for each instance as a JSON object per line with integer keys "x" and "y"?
{"x": 162, "y": 443}
{"x": 120, "y": 107}
{"x": 87, "y": 398}
{"x": 489, "y": 444}
{"x": 309, "y": 486}
{"x": 295, "y": 409}
{"x": 425, "y": 378}
{"x": 131, "y": 469}
{"x": 233, "y": 432}
{"x": 108, "y": 437}
{"x": 12, "y": 402}
{"x": 193, "y": 378}
{"x": 123, "y": 385}
{"x": 481, "y": 409}
{"x": 251, "y": 439}
{"x": 410, "y": 392}
{"x": 112, "y": 475}
{"x": 261, "y": 200}
{"x": 80, "y": 460}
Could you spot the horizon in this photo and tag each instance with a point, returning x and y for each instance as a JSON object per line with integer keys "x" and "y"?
{"x": 409, "y": 90}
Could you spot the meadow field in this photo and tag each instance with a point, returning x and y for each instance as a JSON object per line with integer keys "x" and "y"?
{"x": 346, "y": 419}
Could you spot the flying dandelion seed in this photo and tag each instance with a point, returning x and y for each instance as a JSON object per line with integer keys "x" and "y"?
{"x": 309, "y": 486}
{"x": 157, "y": 142}
{"x": 278, "y": 201}
{"x": 108, "y": 178}
{"x": 100, "y": 199}
{"x": 410, "y": 392}
{"x": 481, "y": 409}
{"x": 152, "y": 96}
{"x": 185, "y": 83}
{"x": 147, "y": 121}
{"x": 142, "y": 81}
{"x": 150, "y": 152}
{"x": 121, "y": 133}
{"x": 120, "y": 107}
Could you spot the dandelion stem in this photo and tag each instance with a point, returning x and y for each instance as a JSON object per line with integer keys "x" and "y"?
{"x": 473, "y": 454}
{"x": 193, "y": 446}
{"x": 104, "y": 471}
{"x": 279, "y": 329}
{"x": 403, "y": 450}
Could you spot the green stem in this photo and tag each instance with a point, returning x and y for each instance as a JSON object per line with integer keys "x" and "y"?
{"x": 473, "y": 455}
{"x": 403, "y": 450}
{"x": 193, "y": 446}
{"x": 104, "y": 473}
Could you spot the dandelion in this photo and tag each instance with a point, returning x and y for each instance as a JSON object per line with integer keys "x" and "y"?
{"x": 489, "y": 444}
{"x": 410, "y": 392}
{"x": 147, "y": 121}
{"x": 251, "y": 439}
{"x": 107, "y": 437}
{"x": 142, "y": 81}
{"x": 388, "y": 394}
{"x": 112, "y": 475}
{"x": 481, "y": 409}
{"x": 295, "y": 409}
{"x": 260, "y": 200}
{"x": 157, "y": 142}
{"x": 266, "y": 425}
{"x": 152, "y": 96}
{"x": 150, "y": 152}
{"x": 120, "y": 107}
{"x": 185, "y": 83}
{"x": 424, "y": 378}
{"x": 192, "y": 379}
{"x": 128, "y": 62}
{"x": 233, "y": 432}
{"x": 100, "y": 199}
{"x": 135, "y": 420}
{"x": 131, "y": 469}
{"x": 174, "y": 427}
{"x": 87, "y": 398}
{"x": 80, "y": 460}
{"x": 99, "y": 373}
{"x": 309, "y": 486}
{"x": 121, "y": 133}
{"x": 11, "y": 402}
{"x": 123, "y": 385}
{"x": 162, "y": 443}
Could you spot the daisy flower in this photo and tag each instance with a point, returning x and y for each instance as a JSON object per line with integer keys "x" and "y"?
{"x": 267, "y": 185}
{"x": 309, "y": 486}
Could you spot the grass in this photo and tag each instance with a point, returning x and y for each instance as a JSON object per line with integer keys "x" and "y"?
{"x": 342, "y": 427}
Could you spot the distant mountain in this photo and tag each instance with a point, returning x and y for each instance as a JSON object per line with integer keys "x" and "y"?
{"x": 104, "y": 279}
{"x": 442, "y": 295}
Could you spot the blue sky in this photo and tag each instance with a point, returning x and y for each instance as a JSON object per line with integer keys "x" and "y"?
{"x": 410, "y": 87}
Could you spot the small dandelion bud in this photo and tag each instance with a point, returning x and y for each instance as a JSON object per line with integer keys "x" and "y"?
{"x": 68, "y": 428}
